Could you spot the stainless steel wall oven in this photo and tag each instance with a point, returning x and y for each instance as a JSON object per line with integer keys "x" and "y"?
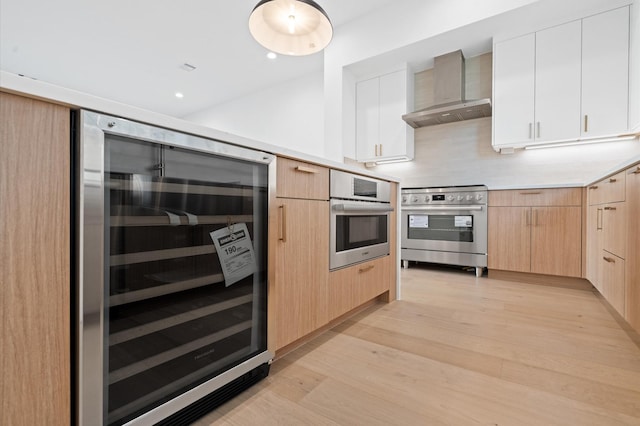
{"x": 172, "y": 272}
{"x": 359, "y": 224}
{"x": 445, "y": 225}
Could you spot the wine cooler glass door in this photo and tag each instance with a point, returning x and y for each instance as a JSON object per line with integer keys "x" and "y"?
{"x": 183, "y": 276}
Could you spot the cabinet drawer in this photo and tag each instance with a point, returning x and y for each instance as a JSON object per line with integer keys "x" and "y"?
{"x": 297, "y": 179}
{"x": 612, "y": 278}
{"x": 536, "y": 197}
{"x": 609, "y": 190}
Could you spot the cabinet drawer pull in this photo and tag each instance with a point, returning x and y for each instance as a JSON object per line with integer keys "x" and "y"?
{"x": 531, "y": 193}
{"x": 609, "y": 259}
{"x": 304, "y": 169}
{"x": 283, "y": 223}
{"x": 366, "y": 268}
{"x": 599, "y": 220}
{"x": 636, "y": 171}
{"x": 612, "y": 180}
{"x": 609, "y": 208}
{"x": 593, "y": 187}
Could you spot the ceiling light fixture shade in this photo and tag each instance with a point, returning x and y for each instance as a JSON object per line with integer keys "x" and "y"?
{"x": 291, "y": 27}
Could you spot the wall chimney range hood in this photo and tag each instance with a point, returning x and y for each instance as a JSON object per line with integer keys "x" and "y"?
{"x": 448, "y": 90}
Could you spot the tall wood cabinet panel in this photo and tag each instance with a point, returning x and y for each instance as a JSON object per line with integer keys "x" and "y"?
{"x": 594, "y": 245}
{"x": 35, "y": 261}
{"x": 299, "y": 251}
{"x": 537, "y": 231}
{"x": 632, "y": 264}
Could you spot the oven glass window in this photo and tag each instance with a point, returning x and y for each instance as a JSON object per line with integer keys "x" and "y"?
{"x": 440, "y": 227}
{"x": 355, "y": 231}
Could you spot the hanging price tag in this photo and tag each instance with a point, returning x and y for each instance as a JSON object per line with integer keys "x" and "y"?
{"x": 235, "y": 252}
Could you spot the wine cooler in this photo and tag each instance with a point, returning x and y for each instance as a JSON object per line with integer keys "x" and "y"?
{"x": 171, "y": 293}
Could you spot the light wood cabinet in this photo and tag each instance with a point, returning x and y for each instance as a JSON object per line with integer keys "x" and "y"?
{"x": 380, "y": 103}
{"x": 632, "y": 263}
{"x": 35, "y": 261}
{"x": 607, "y": 238}
{"x": 547, "y": 85}
{"x": 352, "y": 286}
{"x": 536, "y": 231}
{"x": 298, "y": 179}
{"x": 299, "y": 252}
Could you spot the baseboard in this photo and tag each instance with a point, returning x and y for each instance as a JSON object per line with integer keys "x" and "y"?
{"x": 542, "y": 279}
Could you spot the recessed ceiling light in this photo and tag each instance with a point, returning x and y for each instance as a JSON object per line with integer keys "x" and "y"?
{"x": 179, "y": 95}
{"x": 271, "y": 55}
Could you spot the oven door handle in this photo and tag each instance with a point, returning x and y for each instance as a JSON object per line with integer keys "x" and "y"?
{"x": 358, "y": 208}
{"x": 445, "y": 208}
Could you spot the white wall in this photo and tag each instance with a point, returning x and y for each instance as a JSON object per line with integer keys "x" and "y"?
{"x": 634, "y": 68}
{"x": 290, "y": 115}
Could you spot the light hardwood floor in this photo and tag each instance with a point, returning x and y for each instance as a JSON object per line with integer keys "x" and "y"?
{"x": 457, "y": 350}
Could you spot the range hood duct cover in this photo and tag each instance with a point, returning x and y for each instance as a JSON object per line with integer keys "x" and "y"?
{"x": 448, "y": 92}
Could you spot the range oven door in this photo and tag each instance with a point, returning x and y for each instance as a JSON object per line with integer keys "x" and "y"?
{"x": 459, "y": 229}
{"x": 359, "y": 232}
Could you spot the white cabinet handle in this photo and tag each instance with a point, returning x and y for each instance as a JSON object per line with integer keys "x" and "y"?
{"x": 538, "y": 129}
{"x": 586, "y": 123}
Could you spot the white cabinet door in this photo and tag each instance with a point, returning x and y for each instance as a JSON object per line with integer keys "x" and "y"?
{"x": 393, "y": 104}
{"x": 381, "y": 133}
{"x": 513, "y": 91}
{"x": 367, "y": 118}
{"x": 557, "y": 82}
{"x": 605, "y": 73}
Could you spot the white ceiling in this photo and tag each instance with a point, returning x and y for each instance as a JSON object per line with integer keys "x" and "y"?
{"x": 132, "y": 51}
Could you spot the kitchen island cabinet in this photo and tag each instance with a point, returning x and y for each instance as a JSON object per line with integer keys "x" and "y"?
{"x": 536, "y": 231}
{"x": 299, "y": 247}
{"x": 352, "y": 286}
{"x": 35, "y": 238}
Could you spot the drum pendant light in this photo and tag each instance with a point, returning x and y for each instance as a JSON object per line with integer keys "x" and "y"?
{"x": 290, "y": 27}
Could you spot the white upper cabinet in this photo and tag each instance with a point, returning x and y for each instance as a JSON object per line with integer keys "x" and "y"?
{"x": 514, "y": 90}
{"x": 605, "y": 73}
{"x": 381, "y": 134}
{"x": 564, "y": 83}
{"x": 557, "y": 99}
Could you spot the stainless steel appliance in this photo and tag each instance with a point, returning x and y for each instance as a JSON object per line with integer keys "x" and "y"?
{"x": 360, "y": 208}
{"x": 445, "y": 225}
{"x": 172, "y": 272}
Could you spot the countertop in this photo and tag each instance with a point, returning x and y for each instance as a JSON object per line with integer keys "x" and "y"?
{"x": 13, "y": 83}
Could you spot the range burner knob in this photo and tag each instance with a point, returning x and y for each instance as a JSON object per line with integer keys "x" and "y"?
{"x": 450, "y": 198}
{"x": 414, "y": 200}
{"x": 469, "y": 197}
{"x": 404, "y": 200}
{"x": 460, "y": 198}
{"x": 427, "y": 198}
{"x": 479, "y": 197}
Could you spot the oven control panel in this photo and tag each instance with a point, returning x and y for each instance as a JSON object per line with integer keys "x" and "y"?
{"x": 453, "y": 195}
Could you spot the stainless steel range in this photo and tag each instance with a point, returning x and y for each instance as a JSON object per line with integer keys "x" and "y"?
{"x": 445, "y": 225}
